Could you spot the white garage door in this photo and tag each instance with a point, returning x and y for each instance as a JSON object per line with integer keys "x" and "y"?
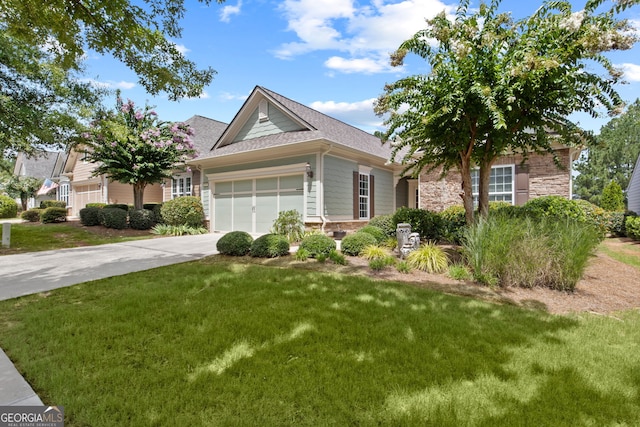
{"x": 253, "y": 204}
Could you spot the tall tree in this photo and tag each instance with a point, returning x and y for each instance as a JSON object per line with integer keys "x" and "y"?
{"x": 498, "y": 85}
{"x": 612, "y": 158}
{"x": 41, "y": 104}
{"x": 133, "y": 147}
{"x": 42, "y": 47}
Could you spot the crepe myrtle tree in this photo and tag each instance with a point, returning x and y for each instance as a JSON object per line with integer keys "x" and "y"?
{"x": 497, "y": 85}
{"x": 133, "y": 146}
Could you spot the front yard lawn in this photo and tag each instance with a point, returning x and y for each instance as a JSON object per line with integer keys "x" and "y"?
{"x": 31, "y": 237}
{"x": 215, "y": 342}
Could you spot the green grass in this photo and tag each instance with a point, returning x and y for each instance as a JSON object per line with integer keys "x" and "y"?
{"x": 215, "y": 342}
{"x": 628, "y": 254}
{"x": 44, "y": 237}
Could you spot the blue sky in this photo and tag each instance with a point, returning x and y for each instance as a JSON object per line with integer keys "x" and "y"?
{"x": 331, "y": 55}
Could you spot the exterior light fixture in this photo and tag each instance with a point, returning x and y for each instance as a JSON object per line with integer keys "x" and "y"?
{"x": 308, "y": 170}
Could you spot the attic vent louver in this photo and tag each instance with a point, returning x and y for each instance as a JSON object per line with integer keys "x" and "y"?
{"x": 263, "y": 111}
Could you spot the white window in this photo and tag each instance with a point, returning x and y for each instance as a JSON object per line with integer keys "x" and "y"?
{"x": 181, "y": 186}
{"x": 501, "y": 184}
{"x": 363, "y": 191}
{"x": 63, "y": 193}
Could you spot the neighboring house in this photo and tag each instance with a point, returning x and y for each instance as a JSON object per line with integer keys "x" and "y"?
{"x": 82, "y": 188}
{"x": 78, "y": 186}
{"x": 45, "y": 165}
{"x": 278, "y": 154}
{"x": 187, "y": 182}
{"x": 633, "y": 190}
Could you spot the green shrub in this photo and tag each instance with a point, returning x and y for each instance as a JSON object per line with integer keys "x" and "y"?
{"x": 428, "y": 257}
{"x": 177, "y": 230}
{"x": 185, "y": 210}
{"x": 377, "y": 232}
{"x": 113, "y": 218}
{"x": 385, "y": 222}
{"x": 459, "y": 272}
{"x": 632, "y": 226}
{"x": 32, "y": 215}
{"x": 141, "y": 219}
{"x": 52, "y": 204}
{"x": 529, "y": 252}
{"x": 453, "y": 222}
{"x": 95, "y": 205}
{"x": 235, "y": 243}
{"x": 612, "y": 197}
{"x": 378, "y": 264}
{"x": 53, "y": 214}
{"x": 302, "y": 254}
{"x": 616, "y": 223}
{"x": 317, "y": 244}
{"x": 289, "y": 224}
{"x": 337, "y": 257}
{"x": 354, "y": 244}
{"x": 155, "y": 209}
{"x": 422, "y": 221}
{"x": 8, "y": 207}
{"x": 403, "y": 267}
{"x": 559, "y": 207}
{"x": 374, "y": 251}
{"x": 270, "y": 246}
{"x": 122, "y": 206}
{"x": 90, "y": 216}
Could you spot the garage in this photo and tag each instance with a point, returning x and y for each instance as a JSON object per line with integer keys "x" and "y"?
{"x": 252, "y": 205}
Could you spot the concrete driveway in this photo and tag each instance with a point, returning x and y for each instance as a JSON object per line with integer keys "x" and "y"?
{"x": 34, "y": 272}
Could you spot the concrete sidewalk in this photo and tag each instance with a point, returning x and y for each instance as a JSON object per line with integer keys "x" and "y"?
{"x": 35, "y": 272}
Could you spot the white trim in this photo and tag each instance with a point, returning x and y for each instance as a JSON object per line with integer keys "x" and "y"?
{"x": 501, "y": 193}
{"x": 364, "y": 170}
{"x": 257, "y": 173}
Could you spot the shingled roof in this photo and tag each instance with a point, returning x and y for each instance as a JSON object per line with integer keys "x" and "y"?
{"x": 318, "y": 126}
{"x": 47, "y": 164}
{"x": 206, "y": 132}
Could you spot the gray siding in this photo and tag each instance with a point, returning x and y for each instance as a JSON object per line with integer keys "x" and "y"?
{"x": 338, "y": 186}
{"x": 277, "y": 123}
{"x": 383, "y": 192}
{"x": 633, "y": 191}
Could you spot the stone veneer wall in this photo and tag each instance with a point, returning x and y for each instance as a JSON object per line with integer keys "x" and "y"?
{"x": 545, "y": 179}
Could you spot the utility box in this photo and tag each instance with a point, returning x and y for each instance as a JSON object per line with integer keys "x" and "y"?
{"x": 6, "y": 234}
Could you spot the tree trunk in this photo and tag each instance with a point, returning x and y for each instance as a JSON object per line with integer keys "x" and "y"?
{"x": 138, "y": 194}
{"x": 467, "y": 190}
{"x": 483, "y": 190}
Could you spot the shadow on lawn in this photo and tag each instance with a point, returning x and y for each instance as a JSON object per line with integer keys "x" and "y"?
{"x": 254, "y": 345}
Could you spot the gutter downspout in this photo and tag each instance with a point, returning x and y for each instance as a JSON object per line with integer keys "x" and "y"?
{"x": 321, "y": 189}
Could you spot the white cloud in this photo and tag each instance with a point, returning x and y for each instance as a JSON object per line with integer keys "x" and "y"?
{"x": 631, "y": 71}
{"x": 228, "y": 11}
{"x": 203, "y": 95}
{"x": 359, "y": 114}
{"x": 110, "y": 84}
{"x": 181, "y": 48}
{"x": 366, "y": 33}
{"x": 358, "y": 65}
{"x": 226, "y": 96}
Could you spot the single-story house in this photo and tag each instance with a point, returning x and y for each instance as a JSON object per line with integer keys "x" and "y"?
{"x": 44, "y": 165}
{"x": 277, "y": 155}
{"x": 633, "y": 189}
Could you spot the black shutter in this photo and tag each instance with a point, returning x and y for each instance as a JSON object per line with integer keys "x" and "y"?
{"x": 356, "y": 195}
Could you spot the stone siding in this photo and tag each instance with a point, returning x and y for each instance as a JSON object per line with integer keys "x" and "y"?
{"x": 545, "y": 178}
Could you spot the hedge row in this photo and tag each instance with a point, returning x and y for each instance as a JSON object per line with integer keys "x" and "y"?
{"x": 450, "y": 224}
